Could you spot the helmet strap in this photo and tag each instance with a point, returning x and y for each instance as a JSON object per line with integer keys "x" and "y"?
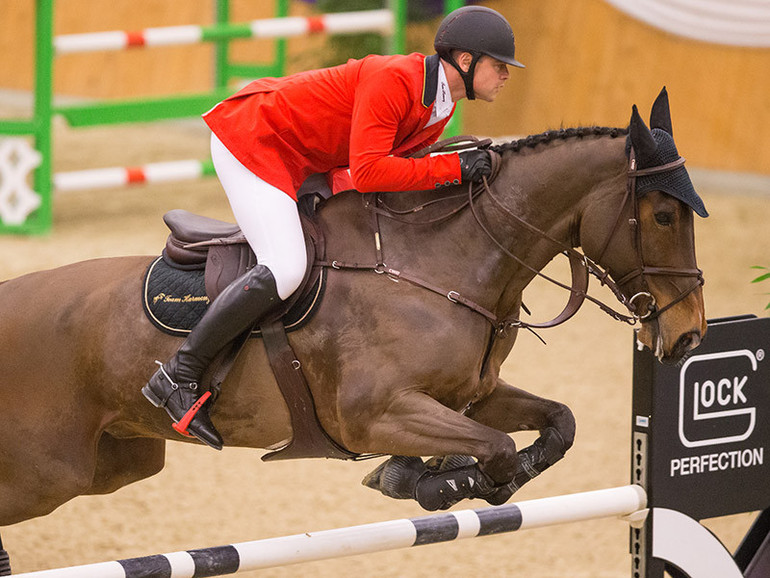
{"x": 466, "y": 76}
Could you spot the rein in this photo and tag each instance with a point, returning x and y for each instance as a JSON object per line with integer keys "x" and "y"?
{"x": 377, "y": 208}
{"x": 580, "y": 265}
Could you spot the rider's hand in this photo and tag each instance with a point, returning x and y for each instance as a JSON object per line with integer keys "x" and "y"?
{"x": 475, "y": 164}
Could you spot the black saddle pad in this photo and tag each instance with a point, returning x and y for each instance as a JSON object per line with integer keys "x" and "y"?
{"x": 175, "y": 300}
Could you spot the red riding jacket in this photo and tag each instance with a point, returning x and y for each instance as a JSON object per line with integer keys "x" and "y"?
{"x": 366, "y": 115}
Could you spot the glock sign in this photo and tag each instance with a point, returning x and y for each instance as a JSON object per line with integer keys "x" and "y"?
{"x": 715, "y": 398}
{"x": 706, "y": 424}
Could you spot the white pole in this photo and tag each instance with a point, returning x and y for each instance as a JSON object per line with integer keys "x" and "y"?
{"x": 110, "y": 177}
{"x": 380, "y": 21}
{"x": 377, "y": 537}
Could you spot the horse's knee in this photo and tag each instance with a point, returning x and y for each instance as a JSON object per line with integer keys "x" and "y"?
{"x": 533, "y": 460}
{"x": 563, "y": 420}
{"x": 501, "y": 461}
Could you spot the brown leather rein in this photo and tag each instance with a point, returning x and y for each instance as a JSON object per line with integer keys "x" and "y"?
{"x": 580, "y": 265}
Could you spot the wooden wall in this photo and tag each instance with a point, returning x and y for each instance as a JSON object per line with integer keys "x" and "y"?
{"x": 129, "y": 73}
{"x": 586, "y": 64}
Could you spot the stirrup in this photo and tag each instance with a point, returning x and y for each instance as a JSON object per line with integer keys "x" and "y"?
{"x": 184, "y": 417}
{"x": 182, "y": 425}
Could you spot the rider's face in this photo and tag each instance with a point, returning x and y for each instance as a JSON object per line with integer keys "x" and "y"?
{"x": 489, "y": 78}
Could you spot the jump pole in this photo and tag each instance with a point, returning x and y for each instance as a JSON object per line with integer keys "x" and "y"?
{"x": 623, "y": 501}
{"x": 381, "y": 21}
{"x": 171, "y": 171}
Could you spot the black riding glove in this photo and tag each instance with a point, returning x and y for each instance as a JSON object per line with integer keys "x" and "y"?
{"x": 475, "y": 164}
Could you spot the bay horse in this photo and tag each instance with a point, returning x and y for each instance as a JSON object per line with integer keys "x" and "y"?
{"x": 394, "y": 369}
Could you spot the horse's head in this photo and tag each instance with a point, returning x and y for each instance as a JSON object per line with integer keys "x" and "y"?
{"x": 650, "y": 251}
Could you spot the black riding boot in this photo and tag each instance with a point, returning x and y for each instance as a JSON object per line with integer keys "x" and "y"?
{"x": 174, "y": 386}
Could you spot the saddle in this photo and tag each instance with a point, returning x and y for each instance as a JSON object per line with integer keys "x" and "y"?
{"x": 220, "y": 249}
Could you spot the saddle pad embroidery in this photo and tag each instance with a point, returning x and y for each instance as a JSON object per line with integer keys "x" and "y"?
{"x": 175, "y": 300}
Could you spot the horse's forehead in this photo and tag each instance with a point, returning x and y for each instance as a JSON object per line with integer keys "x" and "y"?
{"x": 675, "y": 182}
{"x": 656, "y": 200}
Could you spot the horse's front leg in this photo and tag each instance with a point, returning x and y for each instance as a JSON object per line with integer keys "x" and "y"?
{"x": 507, "y": 409}
{"x": 510, "y": 409}
{"x": 413, "y": 424}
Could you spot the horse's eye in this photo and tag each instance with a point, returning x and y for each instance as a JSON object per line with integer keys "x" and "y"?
{"x": 664, "y": 219}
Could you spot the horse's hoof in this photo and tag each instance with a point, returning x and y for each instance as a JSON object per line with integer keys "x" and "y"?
{"x": 5, "y": 563}
{"x": 372, "y": 479}
{"x": 396, "y": 477}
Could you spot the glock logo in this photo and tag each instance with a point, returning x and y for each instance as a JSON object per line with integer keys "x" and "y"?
{"x": 715, "y": 398}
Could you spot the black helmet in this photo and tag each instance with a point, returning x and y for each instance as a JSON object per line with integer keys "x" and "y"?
{"x": 478, "y": 30}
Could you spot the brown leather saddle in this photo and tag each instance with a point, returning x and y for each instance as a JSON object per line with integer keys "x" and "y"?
{"x": 196, "y": 241}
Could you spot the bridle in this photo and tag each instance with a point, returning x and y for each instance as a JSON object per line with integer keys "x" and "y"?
{"x": 579, "y": 286}
{"x": 642, "y": 269}
{"x": 580, "y": 265}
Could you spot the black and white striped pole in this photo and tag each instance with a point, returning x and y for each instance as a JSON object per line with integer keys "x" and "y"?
{"x": 376, "y": 537}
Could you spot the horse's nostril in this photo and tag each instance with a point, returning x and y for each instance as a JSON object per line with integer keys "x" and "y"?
{"x": 689, "y": 341}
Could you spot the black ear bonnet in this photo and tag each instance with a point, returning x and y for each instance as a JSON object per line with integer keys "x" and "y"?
{"x": 677, "y": 182}
{"x": 654, "y": 148}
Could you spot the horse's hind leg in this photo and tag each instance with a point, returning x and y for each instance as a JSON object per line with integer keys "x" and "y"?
{"x": 122, "y": 461}
{"x": 41, "y": 470}
{"x": 5, "y": 561}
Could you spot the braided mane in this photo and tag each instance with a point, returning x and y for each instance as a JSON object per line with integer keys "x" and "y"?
{"x": 555, "y": 135}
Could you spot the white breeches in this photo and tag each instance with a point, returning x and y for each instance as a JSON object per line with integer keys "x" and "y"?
{"x": 268, "y": 218}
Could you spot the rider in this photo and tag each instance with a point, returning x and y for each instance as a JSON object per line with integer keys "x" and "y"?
{"x": 367, "y": 115}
